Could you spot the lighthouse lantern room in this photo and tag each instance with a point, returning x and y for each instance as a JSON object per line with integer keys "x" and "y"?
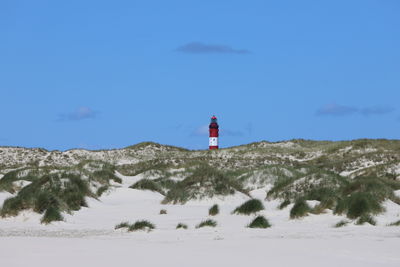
{"x": 213, "y": 141}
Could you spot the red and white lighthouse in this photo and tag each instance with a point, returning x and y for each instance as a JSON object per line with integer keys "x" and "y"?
{"x": 213, "y": 141}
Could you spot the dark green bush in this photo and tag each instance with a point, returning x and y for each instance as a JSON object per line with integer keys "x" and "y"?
{"x": 300, "y": 209}
{"x": 249, "y": 207}
{"x": 259, "y": 222}
{"x": 214, "y": 210}
{"x": 210, "y": 223}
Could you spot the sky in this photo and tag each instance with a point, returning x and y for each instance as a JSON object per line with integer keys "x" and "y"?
{"x": 108, "y": 74}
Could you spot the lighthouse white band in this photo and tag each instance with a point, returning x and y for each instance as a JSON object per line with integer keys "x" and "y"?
{"x": 213, "y": 141}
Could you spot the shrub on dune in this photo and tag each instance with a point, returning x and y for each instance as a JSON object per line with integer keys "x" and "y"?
{"x": 359, "y": 204}
{"x": 122, "y": 225}
{"x": 209, "y": 223}
{"x": 366, "y": 219}
{"x": 249, "y": 207}
{"x": 341, "y": 224}
{"x": 300, "y": 209}
{"x": 284, "y": 204}
{"x": 12, "y": 206}
{"x": 147, "y": 184}
{"x": 181, "y": 226}
{"x": 51, "y": 214}
{"x": 214, "y": 210}
{"x": 397, "y": 223}
{"x": 259, "y": 222}
{"x": 101, "y": 190}
{"x": 141, "y": 225}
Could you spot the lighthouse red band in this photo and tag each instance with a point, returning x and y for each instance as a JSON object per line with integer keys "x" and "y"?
{"x": 214, "y": 129}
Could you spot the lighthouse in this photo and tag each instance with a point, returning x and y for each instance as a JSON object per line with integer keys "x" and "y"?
{"x": 213, "y": 141}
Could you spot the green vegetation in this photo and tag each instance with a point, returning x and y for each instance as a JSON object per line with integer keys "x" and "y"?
{"x": 214, "y": 210}
{"x": 300, "y": 209}
{"x": 101, "y": 190}
{"x": 341, "y": 223}
{"x": 205, "y": 181}
{"x": 259, "y": 222}
{"x": 396, "y": 223}
{"x": 209, "y": 223}
{"x": 284, "y": 204}
{"x": 56, "y": 192}
{"x": 147, "y": 184}
{"x": 51, "y": 214}
{"x": 333, "y": 173}
{"x": 249, "y": 207}
{"x": 141, "y": 225}
{"x": 181, "y": 226}
{"x": 122, "y": 225}
{"x": 366, "y": 219}
{"x": 163, "y": 211}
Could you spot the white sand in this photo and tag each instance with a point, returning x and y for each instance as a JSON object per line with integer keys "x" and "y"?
{"x": 88, "y": 239}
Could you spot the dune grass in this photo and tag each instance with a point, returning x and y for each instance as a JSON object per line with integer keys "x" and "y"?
{"x": 366, "y": 219}
{"x": 147, "y": 184}
{"x": 52, "y": 214}
{"x": 359, "y": 204}
{"x": 214, "y": 210}
{"x": 142, "y": 225}
{"x": 102, "y": 189}
{"x": 122, "y": 225}
{"x": 182, "y": 226}
{"x": 396, "y": 223}
{"x": 49, "y": 194}
{"x": 203, "y": 182}
{"x": 207, "y": 223}
{"x": 249, "y": 207}
{"x": 259, "y": 222}
{"x": 284, "y": 204}
{"x": 341, "y": 223}
{"x": 300, "y": 209}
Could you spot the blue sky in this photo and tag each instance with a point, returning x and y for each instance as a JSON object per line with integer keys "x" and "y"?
{"x": 108, "y": 74}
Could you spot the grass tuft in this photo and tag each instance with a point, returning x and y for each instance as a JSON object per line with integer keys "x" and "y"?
{"x": 141, "y": 225}
{"x": 397, "y": 223}
{"x": 122, "y": 225}
{"x": 341, "y": 223}
{"x": 181, "y": 226}
{"x": 249, "y": 207}
{"x": 147, "y": 184}
{"x": 214, "y": 210}
{"x": 101, "y": 190}
{"x": 163, "y": 211}
{"x": 259, "y": 222}
{"x": 300, "y": 209}
{"x": 284, "y": 204}
{"x": 366, "y": 219}
{"x": 210, "y": 223}
{"x": 52, "y": 214}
